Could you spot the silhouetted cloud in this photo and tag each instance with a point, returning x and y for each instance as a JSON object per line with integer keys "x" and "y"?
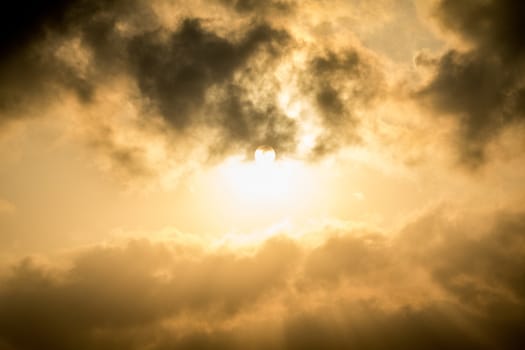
{"x": 339, "y": 83}
{"x": 195, "y": 75}
{"x": 258, "y": 6}
{"x": 23, "y": 23}
{"x": 33, "y": 72}
{"x": 481, "y": 86}
{"x": 176, "y": 76}
{"x": 436, "y": 284}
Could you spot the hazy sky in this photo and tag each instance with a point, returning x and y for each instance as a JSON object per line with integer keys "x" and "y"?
{"x": 134, "y": 214}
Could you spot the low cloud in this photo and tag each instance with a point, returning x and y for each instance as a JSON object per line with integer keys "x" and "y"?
{"x": 438, "y": 283}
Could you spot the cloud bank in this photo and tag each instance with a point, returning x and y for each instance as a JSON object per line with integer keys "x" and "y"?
{"x": 438, "y": 283}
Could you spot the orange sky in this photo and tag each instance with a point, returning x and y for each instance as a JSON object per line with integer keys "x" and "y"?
{"x": 136, "y": 214}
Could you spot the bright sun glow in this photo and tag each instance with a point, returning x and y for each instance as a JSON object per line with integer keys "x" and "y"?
{"x": 264, "y": 155}
{"x": 266, "y": 184}
{"x": 262, "y": 180}
{"x": 270, "y": 188}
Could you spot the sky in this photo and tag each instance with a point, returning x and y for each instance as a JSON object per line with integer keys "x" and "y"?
{"x": 262, "y": 174}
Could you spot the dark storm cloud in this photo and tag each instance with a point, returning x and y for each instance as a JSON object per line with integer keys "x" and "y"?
{"x": 339, "y": 83}
{"x": 437, "y": 284}
{"x": 482, "y": 87}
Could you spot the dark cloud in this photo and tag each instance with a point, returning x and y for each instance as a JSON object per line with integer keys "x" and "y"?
{"x": 339, "y": 83}
{"x": 251, "y": 125}
{"x": 482, "y": 87}
{"x": 476, "y": 268}
{"x": 435, "y": 285}
{"x": 190, "y": 79}
{"x": 126, "y": 160}
{"x": 258, "y": 6}
{"x": 70, "y": 310}
{"x": 32, "y": 75}
{"x": 23, "y": 22}
{"x": 196, "y": 76}
{"x": 491, "y": 25}
{"x": 365, "y": 326}
{"x": 179, "y": 73}
{"x": 32, "y": 80}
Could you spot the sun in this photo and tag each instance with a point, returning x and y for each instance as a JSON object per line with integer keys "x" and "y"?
{"x": 264, "y": 155}
{"x": 266, "y": 188}
{"x": 263, "y": 180}
{"x": 251, "y": 193}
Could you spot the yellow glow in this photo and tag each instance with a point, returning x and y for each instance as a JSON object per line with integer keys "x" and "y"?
{"x": 264, "y": 155}
{"x": 263, "y": 192}
{"x": 261, "y": 180}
